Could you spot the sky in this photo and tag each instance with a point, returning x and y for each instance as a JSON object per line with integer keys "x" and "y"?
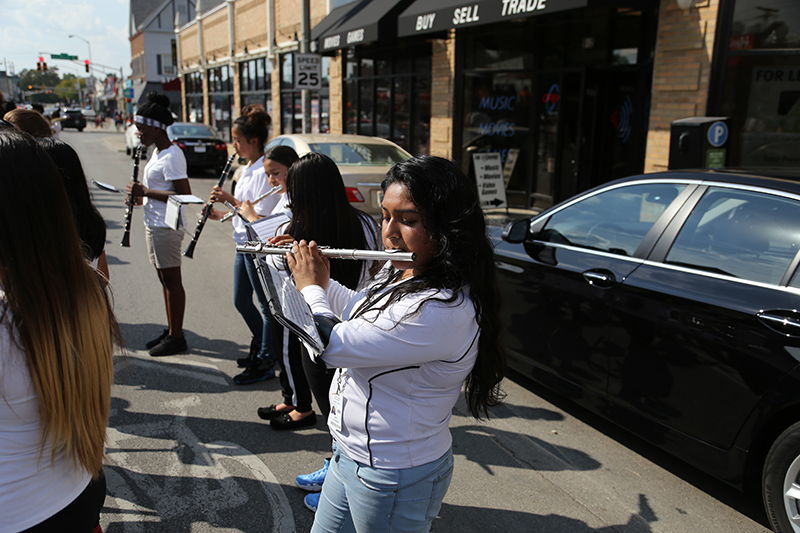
{"x": 33, "y": 28}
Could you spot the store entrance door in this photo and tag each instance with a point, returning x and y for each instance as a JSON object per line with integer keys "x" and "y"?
{"x": 564, "y": 121}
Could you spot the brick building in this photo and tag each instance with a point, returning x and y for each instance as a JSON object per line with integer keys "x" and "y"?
{"x": 571, "y": 93}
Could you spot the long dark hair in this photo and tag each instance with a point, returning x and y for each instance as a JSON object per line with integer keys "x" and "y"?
{"x": 321, "y": 212}
{"x": 464, "y": 263}
{"x": 57, "y": 304}
{"x": 89, "y": 221}
{"x": 285, "y": 155}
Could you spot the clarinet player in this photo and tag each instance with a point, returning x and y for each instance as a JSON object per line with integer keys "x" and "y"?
{"x": 164, "y": 175}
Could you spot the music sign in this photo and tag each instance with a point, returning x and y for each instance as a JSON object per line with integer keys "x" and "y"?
{"x": 489, "y": 175}
{"x": 308, "y": 71}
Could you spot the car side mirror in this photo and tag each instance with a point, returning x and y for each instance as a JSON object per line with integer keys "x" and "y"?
{"x": 517, "y": 231}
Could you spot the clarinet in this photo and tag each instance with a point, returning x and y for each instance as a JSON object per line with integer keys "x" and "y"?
{"x": 189, "y": 252}
{"x": 130, "y": 201}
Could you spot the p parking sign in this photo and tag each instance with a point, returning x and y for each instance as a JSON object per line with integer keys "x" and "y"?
{"x": 717, "y": 134}
{"x": 308, "y": 71}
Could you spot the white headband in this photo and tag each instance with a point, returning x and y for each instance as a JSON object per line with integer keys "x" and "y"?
{"x": 147, "y": 121}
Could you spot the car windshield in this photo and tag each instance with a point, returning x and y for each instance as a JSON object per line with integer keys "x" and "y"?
{"x": 359, "y": 154}
{"x": 190, "y": 130}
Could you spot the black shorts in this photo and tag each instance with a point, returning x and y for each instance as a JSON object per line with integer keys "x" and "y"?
{"x": 80, "y": 516}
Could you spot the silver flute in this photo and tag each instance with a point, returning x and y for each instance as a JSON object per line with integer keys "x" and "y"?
{"x": 256, "y": 247}
{"x": 235, "y": 210}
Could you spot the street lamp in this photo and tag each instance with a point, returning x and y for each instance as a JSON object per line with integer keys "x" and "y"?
{"x": 91, "y": 66}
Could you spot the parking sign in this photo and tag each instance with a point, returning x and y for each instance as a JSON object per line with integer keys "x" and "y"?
{"x": 307, "y": 71}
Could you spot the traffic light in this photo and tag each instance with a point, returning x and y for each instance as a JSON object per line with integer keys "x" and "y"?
{"x": 39, "y": 63}
{"x": 44, "y": 67}
{"x": 87, "y": 65}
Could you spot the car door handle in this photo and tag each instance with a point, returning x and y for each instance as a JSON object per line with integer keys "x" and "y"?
{"x": 784, "y": 324}
{"x": 599, "y": 278}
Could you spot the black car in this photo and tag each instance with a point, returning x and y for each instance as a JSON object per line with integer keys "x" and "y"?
{"x": 73, "y": 118}
{"x": 670, "y": 304}
{"x": 201, "y": 144}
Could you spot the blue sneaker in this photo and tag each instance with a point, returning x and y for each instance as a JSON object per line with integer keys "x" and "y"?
{"x": 312, "y": 482}
{"x": 312, "y": 501}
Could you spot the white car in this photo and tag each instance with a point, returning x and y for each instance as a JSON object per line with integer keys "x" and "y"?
{"x": 362, "y": 160}
{"x": 131, "y": 139}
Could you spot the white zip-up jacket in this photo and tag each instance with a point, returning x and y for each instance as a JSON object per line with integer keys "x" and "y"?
{"x": 399, "y": 376}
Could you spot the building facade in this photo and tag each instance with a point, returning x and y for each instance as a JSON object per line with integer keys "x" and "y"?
{"x": 570, "y": 93}
{"x": 154, "y": 62}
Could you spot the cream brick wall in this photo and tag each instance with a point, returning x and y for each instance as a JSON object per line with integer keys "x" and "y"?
{"x": 215, "y": 35}
{"x": 681, "y": 71}
{"x": 250, "y": 25}
{"x": 190, "y": 51}
{"x": 335, "y": 92}
{"x": 442, "y": 75}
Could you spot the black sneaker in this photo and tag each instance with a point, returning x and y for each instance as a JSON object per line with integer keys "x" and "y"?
{"x": 157, "y": 340}
{"x": 244, "y": 362}
{"x": 260, "y": 371}
{"x": 169, "y": 346}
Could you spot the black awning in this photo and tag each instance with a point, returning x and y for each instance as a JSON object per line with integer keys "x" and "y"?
{"x": 365, "y": 22}
{"x": 333, "y": 18}
{"x": 426, "y": 16}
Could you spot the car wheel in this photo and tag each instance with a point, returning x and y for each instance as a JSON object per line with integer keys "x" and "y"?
{"x": 80, "y": 129}
{"x": 781, "y": 482}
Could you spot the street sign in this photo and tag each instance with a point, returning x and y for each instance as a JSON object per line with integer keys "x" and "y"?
{"x": 489, "y": 175}
{"x": 62, "y": 56}
{"x": 308, "y": 71}
{"x": 128, "y": 92}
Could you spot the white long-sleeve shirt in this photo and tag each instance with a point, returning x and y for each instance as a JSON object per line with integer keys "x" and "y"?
{"x": 399, "y": 377}
{"x": 253, "y": 183}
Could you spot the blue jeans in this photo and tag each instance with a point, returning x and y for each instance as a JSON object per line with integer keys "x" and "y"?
{"x": 357, "y": 497}
{"x": 245, "y": 281}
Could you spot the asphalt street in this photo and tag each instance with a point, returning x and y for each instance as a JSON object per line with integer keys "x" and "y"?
{"x": 187, "y": 453}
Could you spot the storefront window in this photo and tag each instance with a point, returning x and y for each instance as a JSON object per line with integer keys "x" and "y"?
{"x": 220, "y": 97}
{"x": 765, "y": 24}
{"x": 255, "y": 83}
{"x": 194, "y": 96}
{"x": 386, "y": 91}
{"x": 761, "y": 84}
{"x": 561, "y": 98}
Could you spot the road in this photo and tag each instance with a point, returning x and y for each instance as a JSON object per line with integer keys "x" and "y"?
{"x": 187, "y": 452}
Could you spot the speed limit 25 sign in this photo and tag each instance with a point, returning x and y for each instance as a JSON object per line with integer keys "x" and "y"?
{"x": 307, "y": 71}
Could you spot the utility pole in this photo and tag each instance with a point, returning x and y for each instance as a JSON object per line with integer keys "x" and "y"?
{"x": 305, "y": 96}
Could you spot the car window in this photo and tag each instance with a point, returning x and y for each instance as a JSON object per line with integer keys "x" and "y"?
{"x": 745, "y": 234}
{"x": 191, "y": 130}
{"x": 360, "y": 154}
{"x": 613, "y": 221}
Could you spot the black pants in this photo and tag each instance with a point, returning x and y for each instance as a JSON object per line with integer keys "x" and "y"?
{"x": 80, "y": 516}
{"x": 319, "y": 378}
{"x": 297, "y": 385}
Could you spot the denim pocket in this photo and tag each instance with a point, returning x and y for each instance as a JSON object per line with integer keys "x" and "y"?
{"x": 377, "y": 479}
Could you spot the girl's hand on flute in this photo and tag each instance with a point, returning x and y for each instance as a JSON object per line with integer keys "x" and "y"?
{"x": 308, "y": 265}
{"x": 215, "y": 215}
{"x": 280, "y": 240}
{"x": 247, "y": 211}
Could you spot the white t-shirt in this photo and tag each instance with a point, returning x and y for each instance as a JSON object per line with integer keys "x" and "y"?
{"x": 32, "y": 488}
{"x": 253, "y": 183}
{"x": 164, "y": 167}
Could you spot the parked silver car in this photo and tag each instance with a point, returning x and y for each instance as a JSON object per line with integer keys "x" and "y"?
{"x": 362, "y": 160}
